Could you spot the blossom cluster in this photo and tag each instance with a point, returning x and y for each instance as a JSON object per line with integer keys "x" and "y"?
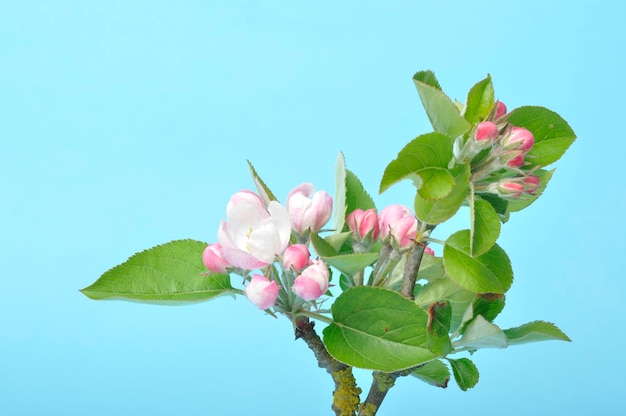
{"x": 498, "y": 152}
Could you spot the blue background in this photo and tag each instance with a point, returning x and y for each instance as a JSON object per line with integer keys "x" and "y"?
{"x": 125, "y": 124}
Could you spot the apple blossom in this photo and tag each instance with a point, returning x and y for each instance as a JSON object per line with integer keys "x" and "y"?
{"x": 296, "y": 256}
{"x": 261, "y": 291}
{"x": 364, "y": 224}
{"x": 253, "y": 235}
{"x": 398, "y": 223}
{"x": 500, "y": 109}
{"x": 312, "y": 282}
{"x": 531, "y": 184}
{"x": 213, "y": 260}
{"x": 308, "y": 211}
{"x": 518, "y": 138}
{"x": 486, "y": 132}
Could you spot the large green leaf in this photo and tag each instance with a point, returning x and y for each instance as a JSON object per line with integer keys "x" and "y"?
{"x": 435, "y": 183}
{"x": 465, "y": 373}
{"x": 480, "y": 100}
{"x": 552, "y": 134}
{"x": 444, "y": 289}
{"x": 485, "y": 227}
{"x": 534, "y": 332}
{"x": 351, "y": 263}
{"x": 434, "y": 372}
{"x": 487, "y": 273}
{"x": 339, "y": 211}
{"x": 377, "y": 329}
{"x": 442, "y": 113}
{"x": 356, "y": 195}
{"x": 432, "y": 150}
{"x": 265, "y": 192}
{"x": 172, "y": 272}
{"x": 440, "y": 210}
{"x": 481, "y": 333}
{"x": 427, "y": 77}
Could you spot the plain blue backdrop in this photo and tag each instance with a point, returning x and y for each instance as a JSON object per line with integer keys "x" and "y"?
{"x": 125, "y": 124}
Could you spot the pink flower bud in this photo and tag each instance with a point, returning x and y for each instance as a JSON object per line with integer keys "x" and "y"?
{"x": 308, "y": 214}
{"x": 518, "y": 138}
{"x": 261, "y": 291}
{"x": 509, "y": 189}
{"x": 486, "y": 132}
{"x": 500, "y": 109}
{"x": 364, "y": 224}
{"x": 513, "y": 158}
{"x": 213, "y": 260}
{"x": 531, "y": 184}
{"x": 296, "y": 256}
{"x": 312, "y": 282}
{"x": 429, "y": 251}
{"x": 399, "y": 224}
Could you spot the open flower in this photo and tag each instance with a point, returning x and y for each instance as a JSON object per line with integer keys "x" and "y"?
{"x": 261, "y": 291}
{"x": 308, "y": 211}
{"x": 253, "y": 235}
{"x": 312, "y": 282}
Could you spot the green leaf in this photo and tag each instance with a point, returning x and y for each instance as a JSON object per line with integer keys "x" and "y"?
{"x": 489, "y": 305}
{"x": 377, "y": 329}
{"x": 438, "y": 340}
{"x": 322, "y": 247}
{"x": 337, "y": 241}
{"x": 481, "y": 333}
{"x": 435, "y": 183}
{"x": 265, "y": 192}
{"x": 440, "y": 210}
{"x": 339, "y": 214}
{"x": 442, "y": 113}
{"x": 432, "y": 150}
{"x": 434, "y": 372}
{"x": 552, "y": 134}
{"x": 172, "y": 272}
{"x": 485, "y": 227}
{"x": 534, "y": 332}
{"x": 487, "y": 273}
{"x": 521, "y": 203}
{"x": 427, "y": 77}
{"x": 480, "y": 100}
{"x": 445, "y": 289}
{"x": 499, "y": 204}
{"x": 351, "y": 263}
{"x": 356, "y": 195}
{"x": 431, "y": 268}
{"x": 465, "y": 373}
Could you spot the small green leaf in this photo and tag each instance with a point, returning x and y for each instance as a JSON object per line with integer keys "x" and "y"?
{"x": 481, "y": 333}
{"x": 485, "y": 227}
{"x": 434, "y": 372}
{"x": 356, "y": 195}
{"x": 264, "y": 192}
{"x": 465, "y": 373}
{"x": 489, "y": 305}
{"x": 435, "y": 183}
{"x": 440, "y": 210}
{"x": 445, "y": 289}
{"x": 427, "y": 77}
{"x": 339, "y": 214}
{"x": 487, "y": 273}
{"x": 534, "y": 332}
{"x": 438, "y": 340}
{"x": 432, "y": 150}
{"x": 337, "y": 241}
{"x": 172, "y": 272}
{"x": 351, "y": 263}
{"x": 552, "y": 134}
{"x": 480, "y": 100}
{"x": 515, "y": 205}
{"x": 322, "y": 247}
{"x": 377, "y": 329}
{"x": 442, "y": 113}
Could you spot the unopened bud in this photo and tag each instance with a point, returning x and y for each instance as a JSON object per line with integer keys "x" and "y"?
{"x": 518, "y": 138}
{"x": 500, "y": 109}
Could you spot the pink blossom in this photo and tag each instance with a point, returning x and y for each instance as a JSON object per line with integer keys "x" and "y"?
{"x": 513, "y": 158}
{"x": 399, "y": 224}
{"x": 508, "y": 188}
{"x": 364, "y": 224}
{"x": 486, "y": 132}
{"x": 296, "y": 256}
{"x": 312, "y": 282}
{"x": 261, "y": 291}
{"x": 213, "y": 260}
{"x": 308, "y": 211}
{"x": 253, "y": 235}
{"x": 500, "y": 109}
{"x": 531, "y": 184}
{"x": 518, "y": 138}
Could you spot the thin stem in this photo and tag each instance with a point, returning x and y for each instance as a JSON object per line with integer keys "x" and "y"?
{"x": 410, "y": 270}
{"x": 346, "y": 394}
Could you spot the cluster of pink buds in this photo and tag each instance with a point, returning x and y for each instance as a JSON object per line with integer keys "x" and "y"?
{"x": 512, "y": 188}
{"x": 257, "y": 233}
{"x": 395, "y": 224}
